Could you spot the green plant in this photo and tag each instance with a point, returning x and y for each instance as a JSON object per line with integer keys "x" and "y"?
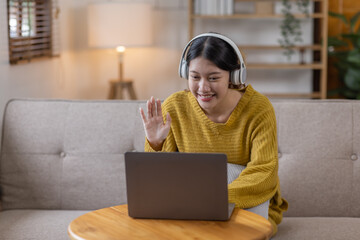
{"x": 291, "y": 26}
{"x": 344, "y": 49}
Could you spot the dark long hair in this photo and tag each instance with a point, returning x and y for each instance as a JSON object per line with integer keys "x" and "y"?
{"x": 215, "y": 50}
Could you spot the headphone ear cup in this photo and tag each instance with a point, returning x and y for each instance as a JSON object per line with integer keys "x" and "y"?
{"x": 184, "y": 69}
{"x": 243, "y": 76}
{"x": 235, "y": 77}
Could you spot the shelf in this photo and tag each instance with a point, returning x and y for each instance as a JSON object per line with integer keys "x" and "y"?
{"x": 294, "y": 95}
{"x": 255, "y": 16}
{"x": 273, "y": 0}
{"x": 277, "y": 47}
{"x": 265, "y": 12}
{"x": 284, "y": 66}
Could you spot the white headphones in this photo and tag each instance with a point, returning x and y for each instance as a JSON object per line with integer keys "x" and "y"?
{"x": 237, "y": 77}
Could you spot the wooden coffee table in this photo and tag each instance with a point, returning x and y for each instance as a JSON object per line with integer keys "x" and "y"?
{"x": 114, "y": 223}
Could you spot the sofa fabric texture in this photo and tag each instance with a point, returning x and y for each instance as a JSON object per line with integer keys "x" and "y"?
{"x": 67, "y": 155}
{"x": 319, "y": 145}
{"x": 32, "y": 224}
{"x": 62, "y": 158}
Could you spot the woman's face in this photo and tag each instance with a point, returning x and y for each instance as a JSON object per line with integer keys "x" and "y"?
{"x": 208, "y": 83}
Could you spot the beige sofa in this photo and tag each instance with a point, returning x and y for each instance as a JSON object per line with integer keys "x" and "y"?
{"x": 60, "y": 159}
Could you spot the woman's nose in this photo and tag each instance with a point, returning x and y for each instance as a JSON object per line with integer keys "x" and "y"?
{"x": 204, "y": 85}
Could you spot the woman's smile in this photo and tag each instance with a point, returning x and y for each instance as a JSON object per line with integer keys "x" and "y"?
{"x": 206, "y": 97}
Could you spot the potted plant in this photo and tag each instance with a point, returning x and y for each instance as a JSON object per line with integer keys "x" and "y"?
{"x": 290, "y": 27}
{"x": 344, "y": 50}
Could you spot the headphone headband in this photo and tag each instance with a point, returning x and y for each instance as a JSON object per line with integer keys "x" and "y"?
{"x": 237, "y": 78}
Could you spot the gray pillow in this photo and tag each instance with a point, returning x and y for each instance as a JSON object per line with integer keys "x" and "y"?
{"x": 233, "y": 171}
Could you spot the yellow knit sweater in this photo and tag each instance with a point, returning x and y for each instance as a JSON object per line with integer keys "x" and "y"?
{"x": 247, "y": 138}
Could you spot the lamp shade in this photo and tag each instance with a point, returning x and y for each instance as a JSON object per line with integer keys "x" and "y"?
{"x": 123, "y": 23}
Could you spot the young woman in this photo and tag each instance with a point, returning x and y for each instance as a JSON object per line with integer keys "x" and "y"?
{"x": 220, "y": 114}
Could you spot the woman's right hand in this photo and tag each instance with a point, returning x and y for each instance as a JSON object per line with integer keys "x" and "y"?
{"x": 156, "y": 130}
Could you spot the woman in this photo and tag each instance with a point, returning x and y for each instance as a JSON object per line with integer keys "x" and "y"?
{"x": 219, "y": 114}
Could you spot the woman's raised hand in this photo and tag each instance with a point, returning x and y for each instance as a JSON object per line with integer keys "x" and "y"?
{"x": 155, "y": 129}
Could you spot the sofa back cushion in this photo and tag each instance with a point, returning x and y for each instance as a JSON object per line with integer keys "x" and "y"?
{"x": 319, "y": 146}
{"x": 67, "y": 154}
{"x": 60, "y": 154}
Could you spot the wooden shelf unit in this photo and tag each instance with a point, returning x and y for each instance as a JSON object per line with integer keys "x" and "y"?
{"x": 316, "y": 47}
{"x": 294, "y": 95}
{"x": 319, "y": 48}
{"x": 254, "y": 16}
{"x": 271, "y": 0}
{"x": 283, "y": 66}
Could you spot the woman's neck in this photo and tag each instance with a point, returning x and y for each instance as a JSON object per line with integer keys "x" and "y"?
{"x": 222, "y": 113}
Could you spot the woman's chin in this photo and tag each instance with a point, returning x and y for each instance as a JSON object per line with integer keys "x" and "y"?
{"x": 207, "y": 103}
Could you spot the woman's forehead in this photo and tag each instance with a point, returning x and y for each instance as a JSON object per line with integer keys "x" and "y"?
{"x": 201, "y": 62}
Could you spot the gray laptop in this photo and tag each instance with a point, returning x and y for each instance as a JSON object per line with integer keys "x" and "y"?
{"x": 177, "y": 186}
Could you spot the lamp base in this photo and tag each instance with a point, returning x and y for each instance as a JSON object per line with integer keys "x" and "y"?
{"x": 117, "y": 87}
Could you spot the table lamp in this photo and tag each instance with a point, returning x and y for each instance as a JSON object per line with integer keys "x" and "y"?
{"x": 119, "y": 25}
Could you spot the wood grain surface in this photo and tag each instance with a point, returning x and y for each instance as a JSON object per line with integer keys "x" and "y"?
{"x": 114, "y": 223}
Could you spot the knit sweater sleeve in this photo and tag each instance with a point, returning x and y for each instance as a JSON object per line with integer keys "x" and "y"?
{"x": 259, "y": 181}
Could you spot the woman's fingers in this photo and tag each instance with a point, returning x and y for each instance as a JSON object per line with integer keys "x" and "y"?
{"x": 153, "y": 110}
{"x": 149, "y": 108}
{"x": 158, "y": 107}
{"x": 153, "y": 107}
{"x": 143, "y": 115}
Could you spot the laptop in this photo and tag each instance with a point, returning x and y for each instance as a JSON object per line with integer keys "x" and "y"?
{"x": 175, "y": 185}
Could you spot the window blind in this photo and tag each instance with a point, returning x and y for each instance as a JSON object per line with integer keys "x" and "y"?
{"x": 31, "y": 29}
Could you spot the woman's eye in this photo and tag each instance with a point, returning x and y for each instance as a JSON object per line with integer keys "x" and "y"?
{"x": 195, "y": 77}
{"x": 213, "y": 78}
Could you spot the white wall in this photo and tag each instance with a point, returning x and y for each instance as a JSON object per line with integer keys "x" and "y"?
{"x": 83, "y": 73}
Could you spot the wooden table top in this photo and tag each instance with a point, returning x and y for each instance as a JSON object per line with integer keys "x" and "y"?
{"x": 114, "y": 223}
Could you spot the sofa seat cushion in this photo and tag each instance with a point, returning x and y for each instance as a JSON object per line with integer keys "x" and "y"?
{"x": 329, "y": 228}
{"x": 36, "y": 224}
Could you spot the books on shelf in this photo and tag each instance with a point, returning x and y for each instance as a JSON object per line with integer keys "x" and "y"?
{"x": 213, "y": 7}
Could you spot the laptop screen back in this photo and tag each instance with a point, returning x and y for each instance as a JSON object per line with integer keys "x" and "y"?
{"x": 177, "y": 185}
